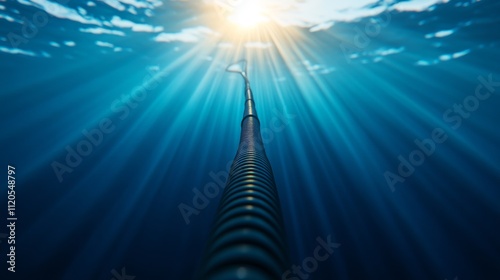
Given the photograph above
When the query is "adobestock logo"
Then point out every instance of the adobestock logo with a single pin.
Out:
(310, 264)
(122, 275)
(94, 137)
(453, 116)
(201, 199)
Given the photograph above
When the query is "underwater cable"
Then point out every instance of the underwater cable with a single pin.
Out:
(247, 240)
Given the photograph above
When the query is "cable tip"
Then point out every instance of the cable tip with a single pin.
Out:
(239, 67)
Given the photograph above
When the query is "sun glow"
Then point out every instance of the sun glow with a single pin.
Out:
(247, 13)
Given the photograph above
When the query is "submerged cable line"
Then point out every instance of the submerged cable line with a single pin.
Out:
(247, 240)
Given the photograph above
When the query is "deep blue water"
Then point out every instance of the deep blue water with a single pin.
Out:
(337, 107)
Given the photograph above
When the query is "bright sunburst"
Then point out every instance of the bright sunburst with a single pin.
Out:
(247, 13)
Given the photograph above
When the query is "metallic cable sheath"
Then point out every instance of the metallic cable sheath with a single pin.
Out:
(247, 240)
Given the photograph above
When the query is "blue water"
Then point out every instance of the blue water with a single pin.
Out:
(339, 104)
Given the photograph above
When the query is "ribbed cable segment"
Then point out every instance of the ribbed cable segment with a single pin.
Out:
(247, 241)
